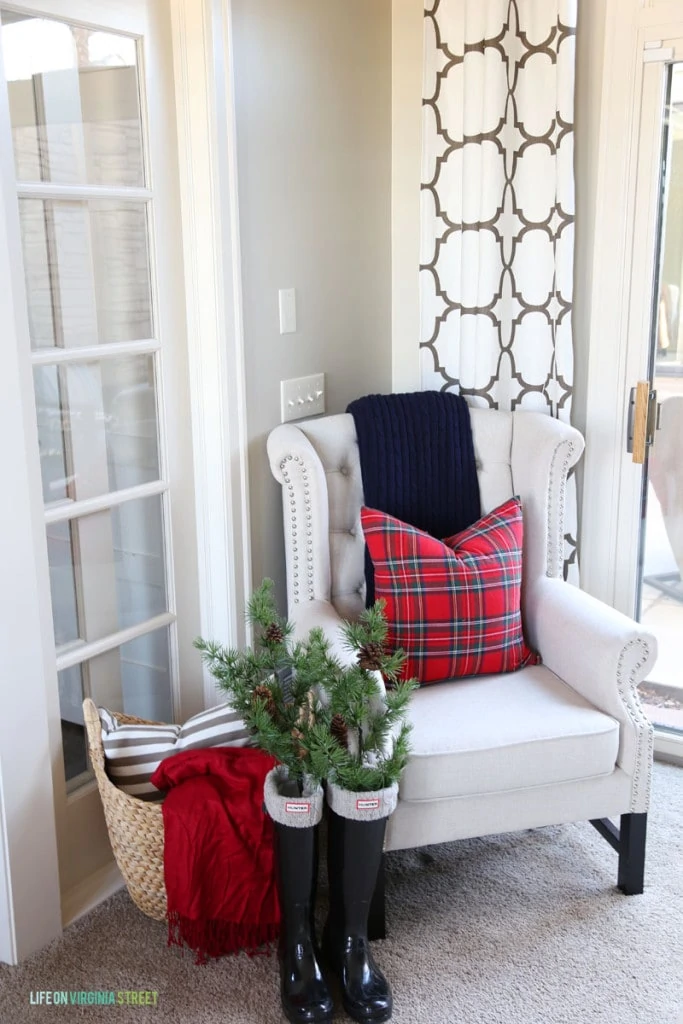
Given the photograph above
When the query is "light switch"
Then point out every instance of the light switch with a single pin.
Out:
(287, 300)
(302, 397)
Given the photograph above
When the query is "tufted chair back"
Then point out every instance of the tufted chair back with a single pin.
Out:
(318, 465)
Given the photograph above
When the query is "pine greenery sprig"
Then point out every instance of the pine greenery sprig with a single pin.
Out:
(314, 715)
(371, 630)
(380, 748)
(270, 686)
(262, 612)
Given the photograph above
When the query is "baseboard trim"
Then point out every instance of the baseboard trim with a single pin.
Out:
(669, 747)
(85, 896)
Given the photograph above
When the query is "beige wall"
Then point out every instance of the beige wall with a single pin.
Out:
(334, 118)
(313, 101)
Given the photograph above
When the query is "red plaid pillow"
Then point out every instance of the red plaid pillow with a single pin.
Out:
(452, 605)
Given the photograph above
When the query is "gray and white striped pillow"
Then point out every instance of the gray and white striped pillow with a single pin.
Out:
(134, 752)
(215, 727)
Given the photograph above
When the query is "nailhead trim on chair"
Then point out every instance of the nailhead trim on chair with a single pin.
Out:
(640, 791)
(300, 585)
(555, 559)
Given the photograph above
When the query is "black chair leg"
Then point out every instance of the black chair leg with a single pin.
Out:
(632, 833)
(377, 928)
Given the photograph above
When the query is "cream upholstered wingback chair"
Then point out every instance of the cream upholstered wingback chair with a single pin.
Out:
(559, 742)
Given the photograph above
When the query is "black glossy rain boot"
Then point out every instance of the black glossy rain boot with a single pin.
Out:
(354, 854)
(304, 993)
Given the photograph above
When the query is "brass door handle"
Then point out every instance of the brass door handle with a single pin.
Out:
(643, 420)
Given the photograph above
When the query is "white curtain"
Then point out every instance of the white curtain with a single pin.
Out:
(498, 205)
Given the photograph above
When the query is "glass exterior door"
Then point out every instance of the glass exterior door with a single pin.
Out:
(660, 597)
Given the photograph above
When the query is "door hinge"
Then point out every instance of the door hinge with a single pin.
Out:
(643, 420)
(655, 53)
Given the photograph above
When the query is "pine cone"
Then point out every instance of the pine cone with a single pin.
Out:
(274, 634)
(370, 656)
(263, 693)
(340, 730)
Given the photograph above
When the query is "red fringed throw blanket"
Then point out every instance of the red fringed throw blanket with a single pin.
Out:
(219, 863)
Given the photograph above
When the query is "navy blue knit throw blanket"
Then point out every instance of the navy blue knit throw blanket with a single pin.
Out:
(417, 462)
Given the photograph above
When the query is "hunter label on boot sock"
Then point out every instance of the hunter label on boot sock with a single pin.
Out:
(297, 808)
(367, 805)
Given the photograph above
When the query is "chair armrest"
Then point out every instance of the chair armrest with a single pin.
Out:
(603, 655)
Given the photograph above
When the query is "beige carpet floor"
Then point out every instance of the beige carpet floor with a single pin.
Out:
(517, 929)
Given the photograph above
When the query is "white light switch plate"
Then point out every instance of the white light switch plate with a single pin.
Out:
(302, 397)
(287, 302)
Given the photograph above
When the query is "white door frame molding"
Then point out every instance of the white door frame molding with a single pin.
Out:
(202, 49)
(30, 908)
(605, 415)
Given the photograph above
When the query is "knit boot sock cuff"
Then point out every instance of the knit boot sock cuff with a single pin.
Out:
(362, 806)
(296, 811)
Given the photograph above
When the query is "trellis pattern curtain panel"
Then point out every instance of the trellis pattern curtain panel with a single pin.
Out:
(498, 205)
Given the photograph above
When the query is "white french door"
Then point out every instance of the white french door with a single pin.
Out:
(95, 315)
(632, 530)
(654, 495)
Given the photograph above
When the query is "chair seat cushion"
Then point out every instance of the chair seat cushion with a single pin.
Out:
(498, 733)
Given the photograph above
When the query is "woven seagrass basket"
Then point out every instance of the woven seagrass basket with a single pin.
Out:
(136, 827)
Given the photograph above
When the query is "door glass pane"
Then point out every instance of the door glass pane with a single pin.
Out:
(97, 426)
(86, 266)
(74, 741)
(74, 102)
(62, 582)
(135, 678)
(661, 598)
(107, 571)
(49, 404)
